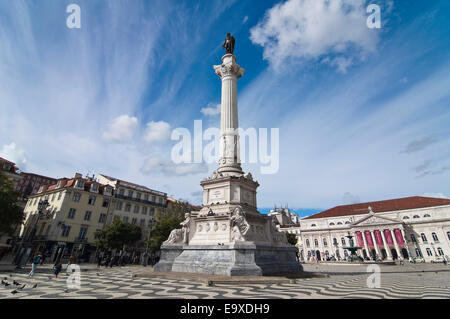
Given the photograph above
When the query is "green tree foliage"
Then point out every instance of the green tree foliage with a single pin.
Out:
(118, 234)
(166, 222)
(291, 238)
(11, 214)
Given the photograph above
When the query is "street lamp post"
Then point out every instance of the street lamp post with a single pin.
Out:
(151, 223)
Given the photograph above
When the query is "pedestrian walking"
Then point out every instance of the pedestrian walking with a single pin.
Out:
(57, 269)
(34, 264)
(71, 261)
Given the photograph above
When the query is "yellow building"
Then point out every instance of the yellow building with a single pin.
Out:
(78, 207)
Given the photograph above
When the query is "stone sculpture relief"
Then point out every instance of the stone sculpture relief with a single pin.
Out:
(239, 225)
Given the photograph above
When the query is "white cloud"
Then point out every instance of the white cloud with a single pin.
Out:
(309, 29)
(211, 109)
(349, 198)
(121, 129)
(14, 154)
(157, 132)
(155, 165)
(435, 195)
(245, 20)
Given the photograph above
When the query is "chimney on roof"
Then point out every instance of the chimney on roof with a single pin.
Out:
(78, 175)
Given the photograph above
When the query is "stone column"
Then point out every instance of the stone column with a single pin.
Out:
(375, 244)
(397, 248)
(386, 246)
(365, 243)
(229, 72)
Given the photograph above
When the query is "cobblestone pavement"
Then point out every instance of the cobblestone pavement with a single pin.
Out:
(119, 283)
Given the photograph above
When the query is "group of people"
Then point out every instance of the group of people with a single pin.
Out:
(57, 267)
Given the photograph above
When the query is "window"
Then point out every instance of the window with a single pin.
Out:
(105, 203)
(94, 188)
(53, 197)
(325, 242)
(128, 207)
(413, 238)
(440, 251)
(83, 232)
(76, 197)
(426, 215)
(152, 211)
(136, 209)
(134, 221)
(121, 191)
(416, 216)
(424, 238)
(418, 252)
(91, 200)
(79, 184)
(435, 237)
(343, 241)
(429, 253)
(87, 215)
(119, 205)
(102, 218)
(405, 217)
(107, 191)
(335, 242)
(59, 195)
(142, 223)
(316, 242)
(71, 214)
(146, 197)
(153, 199)
(65, 231)
(144, 210)
(307, 243)
(125, 219)
(313, 225)
(130, 193)
(138, 195)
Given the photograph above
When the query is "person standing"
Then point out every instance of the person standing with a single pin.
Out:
(57, 269)
(34, 264)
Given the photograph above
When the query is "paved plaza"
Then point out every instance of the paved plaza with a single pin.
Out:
(424, 281)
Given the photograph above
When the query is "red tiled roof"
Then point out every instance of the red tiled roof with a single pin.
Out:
(382, 206)
(5, 160)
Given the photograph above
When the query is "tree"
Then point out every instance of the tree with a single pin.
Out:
(118, 234)
(166, 222)
(10, 212)
(291, 238)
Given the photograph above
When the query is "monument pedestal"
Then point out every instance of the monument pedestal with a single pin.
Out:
(238, 259)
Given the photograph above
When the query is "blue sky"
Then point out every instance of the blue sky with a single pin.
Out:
(363, 113)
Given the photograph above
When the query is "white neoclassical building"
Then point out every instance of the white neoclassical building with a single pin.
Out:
(416, 227)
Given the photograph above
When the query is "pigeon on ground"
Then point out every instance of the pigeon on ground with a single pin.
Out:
(22, 287)
(16, 283)
(14, 291)
(35, 285)
(5, 283)
(66, 291)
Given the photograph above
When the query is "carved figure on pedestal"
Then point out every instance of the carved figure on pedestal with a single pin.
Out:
(239, 225)
(185, 228)
(175, 237)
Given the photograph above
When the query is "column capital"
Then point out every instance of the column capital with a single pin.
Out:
(229, 67)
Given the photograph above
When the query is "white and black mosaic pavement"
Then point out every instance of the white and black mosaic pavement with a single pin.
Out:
(120, 283)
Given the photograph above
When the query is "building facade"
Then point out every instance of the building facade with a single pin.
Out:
(405, 228)
(80, 206)
(31, 183)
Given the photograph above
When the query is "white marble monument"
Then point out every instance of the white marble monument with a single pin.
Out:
(228, 236)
